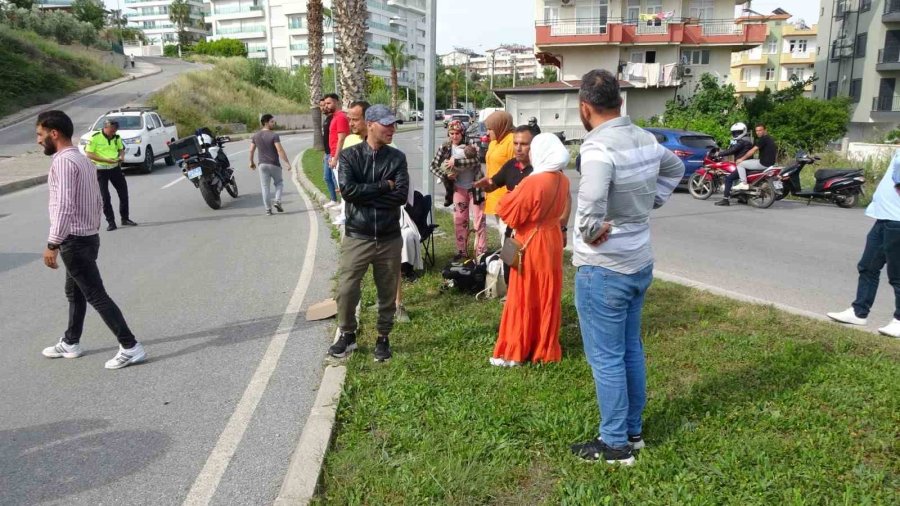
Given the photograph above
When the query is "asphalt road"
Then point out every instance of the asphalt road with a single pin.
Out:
(206, 292)
(799, 255)
(19, 138)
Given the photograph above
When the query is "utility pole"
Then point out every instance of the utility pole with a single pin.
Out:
(512, 60)
(467, 80)
(430, 84)
(492, 69)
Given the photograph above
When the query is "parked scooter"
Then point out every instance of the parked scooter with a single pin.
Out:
(207, 171)
(764, 185)
(841, 186)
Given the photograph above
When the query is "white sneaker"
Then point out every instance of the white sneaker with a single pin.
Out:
(497, 362)
(63, 350)
(891, 329)
(338, 221)
(741, 187)
(124, 357)
(847, 316)
(331, 205)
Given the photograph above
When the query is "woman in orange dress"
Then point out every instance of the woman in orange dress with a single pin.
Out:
(499, 125)
(537, 209)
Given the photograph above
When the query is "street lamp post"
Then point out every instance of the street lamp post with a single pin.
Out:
(467, 80)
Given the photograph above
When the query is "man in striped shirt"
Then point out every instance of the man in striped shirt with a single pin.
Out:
(625, 174)
(74, 221)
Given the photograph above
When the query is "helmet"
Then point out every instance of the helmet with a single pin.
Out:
(532, 121)
(738, 130)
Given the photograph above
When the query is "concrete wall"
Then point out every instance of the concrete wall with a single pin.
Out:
(862, 151)
(646, 103)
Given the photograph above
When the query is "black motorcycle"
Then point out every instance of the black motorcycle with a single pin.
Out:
(210, 174)
(841, 186)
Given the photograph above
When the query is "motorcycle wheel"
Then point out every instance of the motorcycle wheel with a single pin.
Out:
(699, 187)
(785, 191)
(847, 200)
(210, 195)
(766, 196)
(231, 187)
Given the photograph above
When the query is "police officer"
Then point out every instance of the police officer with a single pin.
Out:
(107, 151)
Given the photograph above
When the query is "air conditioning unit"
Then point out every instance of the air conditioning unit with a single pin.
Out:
(688, 71)
(567, 3)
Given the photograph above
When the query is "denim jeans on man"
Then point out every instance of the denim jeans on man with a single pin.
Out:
(328, 174)
(882, 247)
(84, 286)
(609, 307)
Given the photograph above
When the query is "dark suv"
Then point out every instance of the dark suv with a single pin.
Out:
(477, 135)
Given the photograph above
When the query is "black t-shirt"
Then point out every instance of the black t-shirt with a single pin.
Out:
(510, 175)
(326, 126)
(767, 150)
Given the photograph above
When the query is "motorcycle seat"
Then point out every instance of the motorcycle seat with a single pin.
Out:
(824, 174)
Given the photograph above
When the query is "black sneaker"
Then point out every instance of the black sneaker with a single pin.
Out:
(382, 349)
(596, 449)
(723, 202)
(278, 207)
(111, 227)
(637, 442)
(128, 223)
(268, 212)
(344, 345)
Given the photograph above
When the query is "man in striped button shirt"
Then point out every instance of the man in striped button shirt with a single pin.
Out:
(74, 221)
(625, 174)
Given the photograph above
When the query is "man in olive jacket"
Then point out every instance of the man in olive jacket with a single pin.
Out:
(374, 182)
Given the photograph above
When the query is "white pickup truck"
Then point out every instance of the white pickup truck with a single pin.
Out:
(146, 136)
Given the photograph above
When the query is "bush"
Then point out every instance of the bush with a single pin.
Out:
(61, 26)
(221, 47)
(170, 50)
(807, 124)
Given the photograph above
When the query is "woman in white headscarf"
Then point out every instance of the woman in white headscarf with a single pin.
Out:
(537, 210)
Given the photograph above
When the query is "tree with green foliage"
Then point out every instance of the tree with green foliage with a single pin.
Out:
(90, 11)
(807, 124)
(180, 16)
(397, 58)
(220, 47)
(712, 110)
(550, 74)
(23, 4)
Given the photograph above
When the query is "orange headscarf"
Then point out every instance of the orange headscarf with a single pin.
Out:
(501, 122)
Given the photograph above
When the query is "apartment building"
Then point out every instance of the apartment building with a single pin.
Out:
(152, 17)
(277, 31)
(860, 59)
(498, 62)
(788, 51)
(659, 49)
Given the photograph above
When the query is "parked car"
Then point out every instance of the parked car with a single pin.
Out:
(691, 147)
(477, 136)
(416, 116)
(146, 136)
(439, 115)
(448, 113)
(462, 118)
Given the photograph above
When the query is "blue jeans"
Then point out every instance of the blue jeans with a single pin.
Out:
(329, 178)
(609, 307)
(882, 247)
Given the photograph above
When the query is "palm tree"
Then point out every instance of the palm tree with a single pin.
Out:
(456, 74)
(396, 55)
(350, 22)
(315, 39)
(180, 16)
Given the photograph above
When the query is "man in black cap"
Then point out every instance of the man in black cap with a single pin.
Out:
(374, 183)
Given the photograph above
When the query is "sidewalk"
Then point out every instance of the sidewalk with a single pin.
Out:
(142, 69)
(23, 171)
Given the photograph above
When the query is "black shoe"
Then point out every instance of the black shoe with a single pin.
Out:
(596, 449)
(382, 349)
(111, 227)
(268, 212)
(637, 442)
(344, 345)
(448, 201)
(724, 202)
(128, 223)
(278, 207)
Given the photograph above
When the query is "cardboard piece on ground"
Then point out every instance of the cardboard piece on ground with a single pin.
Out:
(322, 310)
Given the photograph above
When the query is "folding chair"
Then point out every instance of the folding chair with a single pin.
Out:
(422, 215)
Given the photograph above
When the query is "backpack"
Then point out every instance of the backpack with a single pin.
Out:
(494, 282)
(467, 276)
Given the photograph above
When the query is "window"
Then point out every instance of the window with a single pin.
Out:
(702, 9)
(652, 6)
(551, 14)
(695, 57)
(831, 92)
(746, 74)
(591, 17)
(698, 141)
(865, 5)
(637, 57)
(155, 120)
(859, 49)
(643, 57)
(650, 57)
(770, 73)
(855, 90)
(772, 47)
(797, 46)
(633, 11)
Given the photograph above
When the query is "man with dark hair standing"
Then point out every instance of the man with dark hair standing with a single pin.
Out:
(338, 130)
(516, 169)
(270, 150)
(327, 173)
(107, 151)
(374, 183)
(74, 221)
(625, 174)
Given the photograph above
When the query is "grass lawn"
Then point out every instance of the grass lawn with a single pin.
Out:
(312, 167)
(747, 405)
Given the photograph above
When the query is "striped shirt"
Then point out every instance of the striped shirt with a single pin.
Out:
(625, 174)
(75, 203)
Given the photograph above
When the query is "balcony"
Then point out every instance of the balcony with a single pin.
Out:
(238, 11)
(243, 32)
(888, 59)
(891, 12)
(799, 58)
(886, 108)
(793, 31)
(615, 31)
(746, 58)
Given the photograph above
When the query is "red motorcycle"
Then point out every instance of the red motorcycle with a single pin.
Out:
(764, 186)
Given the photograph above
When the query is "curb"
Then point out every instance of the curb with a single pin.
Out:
(247, 135)
(302, 477)
(21, 116)
(22, 184)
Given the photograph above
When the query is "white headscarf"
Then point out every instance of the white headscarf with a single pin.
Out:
(548, 154)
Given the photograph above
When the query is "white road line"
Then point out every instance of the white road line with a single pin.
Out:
(182, 178)
(204, 487)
